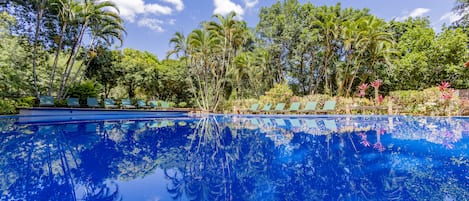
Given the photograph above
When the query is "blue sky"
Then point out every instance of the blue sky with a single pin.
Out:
(151, 23)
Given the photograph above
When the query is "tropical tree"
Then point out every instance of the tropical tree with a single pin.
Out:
(66, 10)
(90, 13)
(134, 65)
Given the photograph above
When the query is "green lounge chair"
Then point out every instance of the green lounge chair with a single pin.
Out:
(164, 105)
(294, 107)
(330, 125)
(279, 108)
(295, 123)
(280, 122)
(109, 103)
(73, 102)
(153, 104)
(142, 104)
(253, 109)
(127, 104)
(92, 102)
(311, 127)
(329, 106)
(266, 108)
(309, 108)
(45, 101)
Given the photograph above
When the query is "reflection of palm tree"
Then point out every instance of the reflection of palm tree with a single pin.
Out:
(101, 192)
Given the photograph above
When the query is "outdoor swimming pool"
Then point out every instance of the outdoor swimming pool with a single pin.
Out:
(236, 158)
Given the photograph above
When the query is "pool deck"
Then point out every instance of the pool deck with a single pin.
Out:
(53, 111)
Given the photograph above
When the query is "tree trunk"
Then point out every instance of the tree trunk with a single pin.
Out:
(36, 41)
(56, 59)
(71, 61)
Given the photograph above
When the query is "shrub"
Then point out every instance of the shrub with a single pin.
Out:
(83, 90)
(7, 106)
(281, 93)
(426, 102)
(26, 101)
(182, 104)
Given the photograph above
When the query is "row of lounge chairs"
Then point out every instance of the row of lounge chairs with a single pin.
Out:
(48, 101)
(310, 108)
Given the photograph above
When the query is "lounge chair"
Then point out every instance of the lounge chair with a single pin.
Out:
(280, 122)
(73, 102)
(279, 108)
(309, 108)
(330, 125)
(253, 109)
(127, 104)
(255, 122)
(311, 127)
(109, 103)
(295, 123)
(153, 104)
(92, 102)
(294, 107)
(266, 108)
(142, 104)
(45, 101)
(329, 106)
(164, 105)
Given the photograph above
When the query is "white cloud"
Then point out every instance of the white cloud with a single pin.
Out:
(151, 23)
(250, 3)
(224, 7)
(418, 12)
(145, 14)
(451, 17)
(172, 21)
(158, 9)
(177, 3)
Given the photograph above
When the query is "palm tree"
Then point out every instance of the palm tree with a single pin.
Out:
(66, 12)
(180, 45)
(90, 12)
(376, 41)
(203, 68)
(327, 25)
(104, 33)
(41, 6)
(461, 7)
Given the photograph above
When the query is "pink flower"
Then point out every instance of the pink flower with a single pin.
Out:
(380, 99)
(362, 135)
(377, 83)
(444, 86)
(365, 143)
(379, 146)
(362, 93)
(363, 87)
(448, 145)
(382, 131)
(447, 95)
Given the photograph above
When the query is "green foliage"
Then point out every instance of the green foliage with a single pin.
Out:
(7, 107)
(135, 67)
(182, 104)
(14, 66)
(427, 58)
(169, 82)
(425, 102)
(101, 68)
(281, 93)
(88, 88)
(26, 101)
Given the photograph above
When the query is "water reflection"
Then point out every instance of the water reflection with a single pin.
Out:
(237, 158)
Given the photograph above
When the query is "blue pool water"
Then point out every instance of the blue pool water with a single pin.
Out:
(236, 158)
